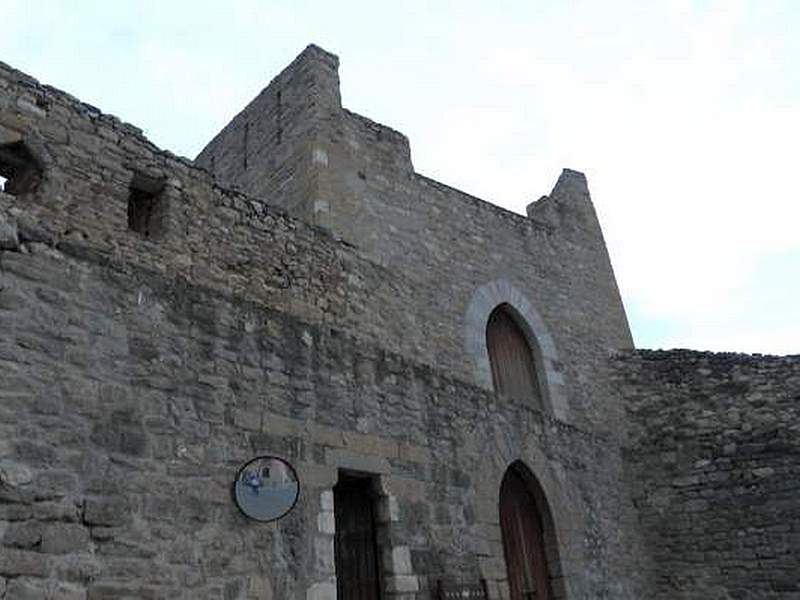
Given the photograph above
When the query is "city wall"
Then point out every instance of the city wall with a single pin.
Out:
(713, 459)
(140, 371)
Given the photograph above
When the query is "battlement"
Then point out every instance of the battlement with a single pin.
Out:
(296, 145)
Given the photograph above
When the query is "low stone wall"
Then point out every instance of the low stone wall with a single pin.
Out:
(713, 459)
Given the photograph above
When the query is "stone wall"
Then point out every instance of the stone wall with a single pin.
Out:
(130, 398)
(210, 235)
(714, 464)
(445, 243)
(139, 372)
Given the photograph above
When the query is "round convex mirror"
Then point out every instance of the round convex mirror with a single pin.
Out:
(266, 488)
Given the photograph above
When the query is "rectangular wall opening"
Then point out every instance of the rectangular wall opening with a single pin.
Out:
(146, 206)
(19, 171)
(358, 573)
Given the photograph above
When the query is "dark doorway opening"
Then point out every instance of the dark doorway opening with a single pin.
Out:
(355, 544)
(524, 547)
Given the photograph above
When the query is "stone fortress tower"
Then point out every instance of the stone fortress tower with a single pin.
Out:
(455, 384)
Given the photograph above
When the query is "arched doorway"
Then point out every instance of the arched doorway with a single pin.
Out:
(525, 523)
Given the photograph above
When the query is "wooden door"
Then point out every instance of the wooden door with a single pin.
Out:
(523, 543)
(513, 368)
(356, 552)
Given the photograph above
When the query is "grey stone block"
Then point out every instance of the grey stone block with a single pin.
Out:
(65, 538)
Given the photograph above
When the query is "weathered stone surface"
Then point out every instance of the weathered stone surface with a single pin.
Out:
(137, 373)
(65, 538)
(113, 510)
(69, 592)
(714, 457)
(26, 589)
(15, 563)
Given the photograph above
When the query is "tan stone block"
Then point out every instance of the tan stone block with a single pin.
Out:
(9, 136)
(411, 489)
(247, 419)
(14, 120)
(411, 453)
(313, 476)
(346, 459)
(280, 425)
(328, 436)
(370, 444)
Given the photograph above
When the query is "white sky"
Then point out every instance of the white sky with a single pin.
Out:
(684, 115)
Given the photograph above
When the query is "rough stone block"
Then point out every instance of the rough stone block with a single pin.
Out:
(26, 534)
(345, 459)
(54, 484)
(25, 589)
(316, 476)
(14, 474)
(65, 538)
(69, 592)
(111, 511)
(15, 563)
(418, 454)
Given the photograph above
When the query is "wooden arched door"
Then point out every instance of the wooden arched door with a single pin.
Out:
(523, 540)
(511, 358)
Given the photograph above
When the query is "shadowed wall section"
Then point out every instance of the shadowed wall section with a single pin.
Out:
(713, 461)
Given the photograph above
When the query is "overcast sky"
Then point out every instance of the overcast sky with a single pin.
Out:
(684, 115)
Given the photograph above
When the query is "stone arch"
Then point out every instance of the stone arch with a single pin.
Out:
(566, 524)
(500, 292)
(548, 541)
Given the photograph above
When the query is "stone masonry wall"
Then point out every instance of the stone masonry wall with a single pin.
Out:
(137, 373)
(267, 149)
(446, 243)
(714, 461)
(130, 399)
(210, 235)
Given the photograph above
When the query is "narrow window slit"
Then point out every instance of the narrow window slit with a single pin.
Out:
(146, 205)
